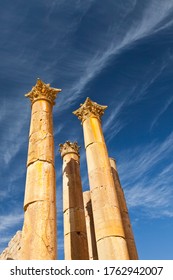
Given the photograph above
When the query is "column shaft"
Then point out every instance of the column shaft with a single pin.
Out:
(92, 247)
(75, 237)
(124, 213)
(39, 229)
(110, 236)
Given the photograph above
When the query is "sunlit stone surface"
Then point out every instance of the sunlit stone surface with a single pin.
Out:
(109, 230)
(39, 229)
(75, 237)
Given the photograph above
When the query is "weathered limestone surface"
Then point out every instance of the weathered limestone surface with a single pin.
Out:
(106, 210)
(124, 213)
(12, 252)
(39, 229)
(40, 175)
(41, 142)
(92, 247)
(75, 237)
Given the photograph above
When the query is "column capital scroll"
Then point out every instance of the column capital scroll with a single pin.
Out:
(89, 109)
(68, 148)
(43, 91)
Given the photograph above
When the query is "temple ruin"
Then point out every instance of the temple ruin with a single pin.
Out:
(96, 222)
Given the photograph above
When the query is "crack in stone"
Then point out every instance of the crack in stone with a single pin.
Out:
(89, 144)
(48, 248)
(27, 205)
(75, 208)
(48, 134)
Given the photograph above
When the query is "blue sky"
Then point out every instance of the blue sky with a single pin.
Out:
(120, 54)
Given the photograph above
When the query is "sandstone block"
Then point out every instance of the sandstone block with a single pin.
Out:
(103, 195)
(40, 182)
(108, 222)
(92, 247)
(74, 220)
(72, 240)
(41, 147)
(39, 231)
(92, 131)
(112, 248)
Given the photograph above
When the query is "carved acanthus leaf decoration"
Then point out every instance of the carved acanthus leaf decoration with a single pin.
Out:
(43, 91)
(88, 109)
(68, 148)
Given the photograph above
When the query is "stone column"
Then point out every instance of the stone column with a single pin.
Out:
(92, 247)
(124, 213)
(39, 229)
(75, 238)
(110, 236)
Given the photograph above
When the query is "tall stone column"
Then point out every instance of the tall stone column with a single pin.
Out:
(75, 237)
(92, 247)
(39, 229)
(124, 213)
(110, 236)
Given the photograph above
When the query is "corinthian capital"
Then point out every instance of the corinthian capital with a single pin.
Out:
(43, 91)
(89, 109)
(68, 148)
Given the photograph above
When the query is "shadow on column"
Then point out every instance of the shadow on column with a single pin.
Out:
(76, 245)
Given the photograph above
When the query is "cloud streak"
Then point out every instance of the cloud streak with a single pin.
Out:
(93, 63)
(10, 220)
(146, 175)
(162, 111)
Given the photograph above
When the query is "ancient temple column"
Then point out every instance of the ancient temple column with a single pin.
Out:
(92, 247)
(110, 236)
(75, 237)
(39, 229)
(124, 213)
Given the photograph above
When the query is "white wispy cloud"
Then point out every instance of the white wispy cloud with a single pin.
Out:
(115, 112)
(58, 129)
(153, 14)
(14, 131)
(82, 66)
(146, 175)
(10, 220)
(113, 124)
(149, 196)
(10, 223)
(88, 63)
(5, 239)
(94, 62)
(162, 111)
(142, 159)
(149, 78)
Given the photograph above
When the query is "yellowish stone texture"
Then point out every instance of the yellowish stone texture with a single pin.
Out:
(92, 247)
(39, 229)
(108, 223)
(124, 213)
(75, 238)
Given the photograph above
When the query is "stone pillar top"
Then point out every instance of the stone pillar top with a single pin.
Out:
(89, 109)
(42, 91)
(68, 148)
